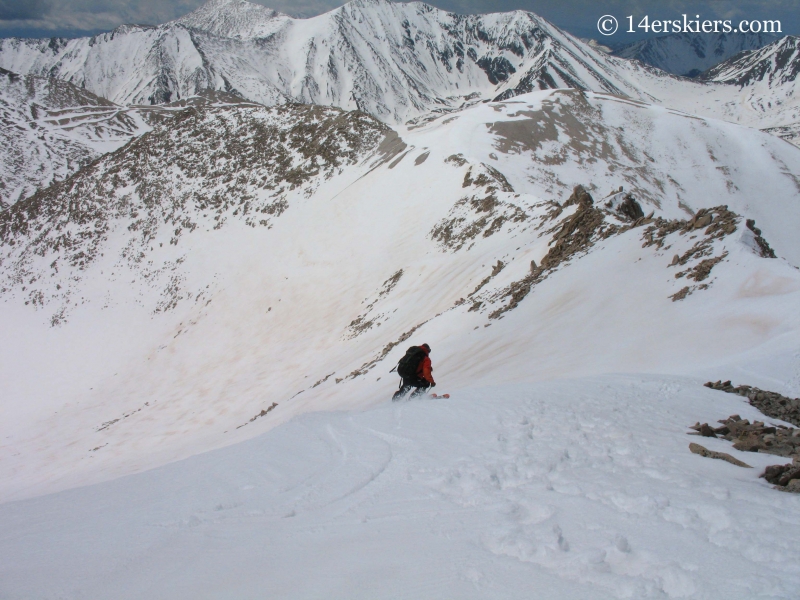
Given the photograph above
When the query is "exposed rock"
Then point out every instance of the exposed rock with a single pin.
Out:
(495, 270)
(576, 234)
(718, 222)
(706, 431)
(264, 412)
(681, 293)
(702, 221)
(781, 474)
(763, 246)
(784, 477)
(702, 451)
(630, 208)
(483, 213)
(579, 196)
(231, 162)
(625, 206)
(365, 321)
(771, 404)
(702, 269)
(754, 437)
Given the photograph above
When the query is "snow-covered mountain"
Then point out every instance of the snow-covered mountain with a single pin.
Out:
(235, 19)
(691, 54)
(239, 265)
(51, 128)
(393, 60)
(766, 81)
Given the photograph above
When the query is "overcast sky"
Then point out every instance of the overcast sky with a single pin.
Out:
(71, 18)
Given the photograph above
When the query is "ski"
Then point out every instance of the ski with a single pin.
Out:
(440, 395)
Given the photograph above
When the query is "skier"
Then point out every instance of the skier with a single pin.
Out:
(415, 370)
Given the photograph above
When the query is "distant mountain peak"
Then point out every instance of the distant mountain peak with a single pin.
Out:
(690, 54)
(775, 64)
(233, 18)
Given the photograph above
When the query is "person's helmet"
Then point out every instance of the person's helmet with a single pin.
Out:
(428, 348)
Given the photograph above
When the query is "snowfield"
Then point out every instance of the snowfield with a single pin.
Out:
(579, 488)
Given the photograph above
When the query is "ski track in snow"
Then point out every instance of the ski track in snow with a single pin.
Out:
(564, 489)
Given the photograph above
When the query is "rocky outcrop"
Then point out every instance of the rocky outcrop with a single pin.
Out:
(762, 244)
(754, 437)
(785, 477)
(625, 206)
(576, 234)
(488, 207)
(703, 451)
(757, 437)
(771, 404)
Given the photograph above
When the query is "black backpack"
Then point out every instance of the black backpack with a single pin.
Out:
(408, 365)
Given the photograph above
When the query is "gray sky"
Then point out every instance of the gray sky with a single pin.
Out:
(71, 18)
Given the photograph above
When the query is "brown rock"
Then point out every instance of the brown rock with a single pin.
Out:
(698, 449)
(703, 221)
(773, 473)
(794, 486)
(706, 431)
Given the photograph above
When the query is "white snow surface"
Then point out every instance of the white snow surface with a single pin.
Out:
(560, 465)
(562, 489)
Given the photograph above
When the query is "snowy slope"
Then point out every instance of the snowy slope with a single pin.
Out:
(766, 81)
(691, 54)
(51, 128)
(220, 275)
(566, 489)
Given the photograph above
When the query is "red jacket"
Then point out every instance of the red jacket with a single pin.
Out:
(424, 369)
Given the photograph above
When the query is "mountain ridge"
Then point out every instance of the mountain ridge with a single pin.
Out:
(396, 61)
(51, 128)
(689, 54)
